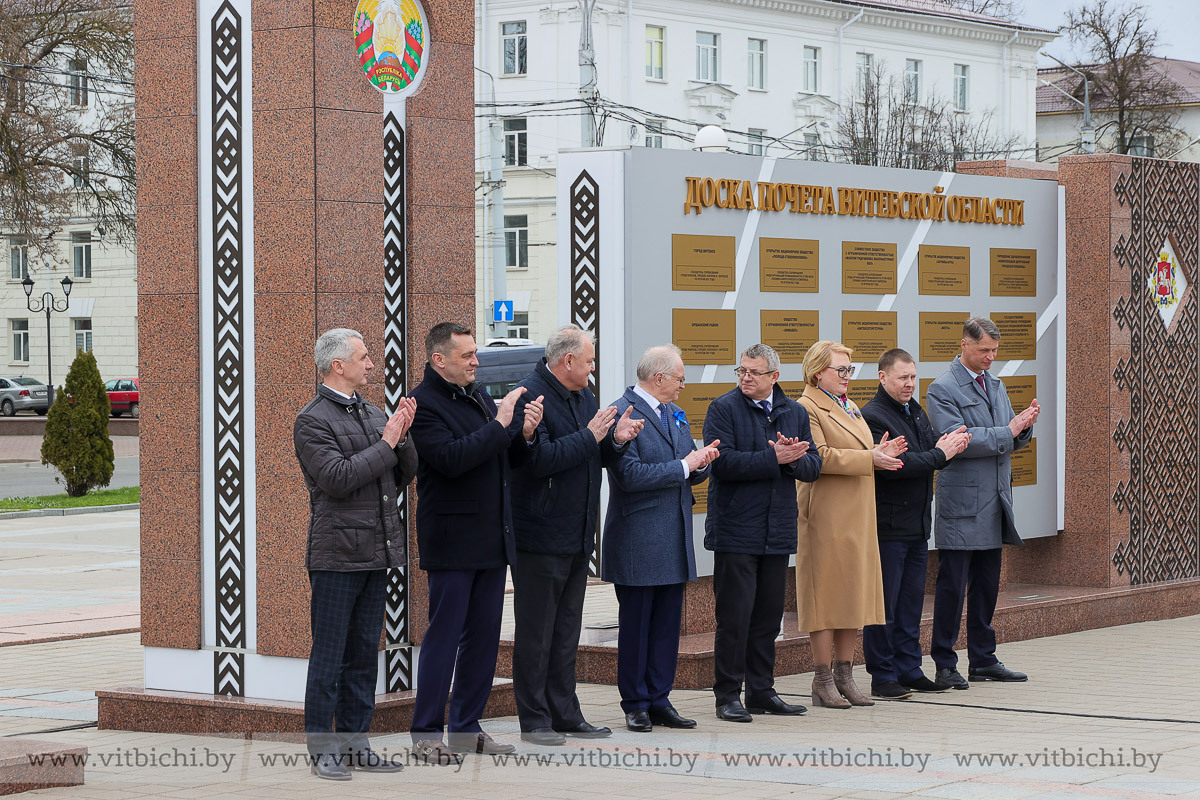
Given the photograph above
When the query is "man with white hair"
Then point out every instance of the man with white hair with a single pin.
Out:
(648, 551)
(355, 460)
(556, 502)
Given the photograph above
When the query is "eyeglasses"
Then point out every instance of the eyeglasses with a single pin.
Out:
(742, 372)
(677, 378)
(843, 372)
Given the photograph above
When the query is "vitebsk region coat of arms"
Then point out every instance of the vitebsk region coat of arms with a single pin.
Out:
(1167, 283)
(391, 39)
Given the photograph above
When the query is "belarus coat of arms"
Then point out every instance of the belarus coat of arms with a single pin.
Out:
(390, 36)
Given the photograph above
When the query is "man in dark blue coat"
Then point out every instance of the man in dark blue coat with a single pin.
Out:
(648, 551)
(465, 538)
(766, 446)
(903, 498)
(556, 501)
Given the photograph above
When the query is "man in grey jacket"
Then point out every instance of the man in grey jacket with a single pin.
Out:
(356, 460)
(974, 504)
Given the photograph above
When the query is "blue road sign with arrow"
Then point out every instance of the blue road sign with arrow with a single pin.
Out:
(502, 311)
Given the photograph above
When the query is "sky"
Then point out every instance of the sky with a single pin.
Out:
(1177, 22)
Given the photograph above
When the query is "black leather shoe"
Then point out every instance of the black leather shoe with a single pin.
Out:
(996, 672)
(668, 717)
(331, 768)
(949, 678)
(892, 690)
(773, 705)
(543, 736)
(734, 711)
(369, 761)
(477, 743)
(638, 721)
(923, 684)
(585, 730)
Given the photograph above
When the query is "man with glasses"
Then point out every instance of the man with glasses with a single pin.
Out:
(974, 504)
(648, 551)
(766, 446)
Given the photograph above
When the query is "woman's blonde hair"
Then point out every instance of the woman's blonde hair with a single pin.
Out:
(820, 356)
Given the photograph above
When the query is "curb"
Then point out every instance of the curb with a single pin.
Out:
(67, 512)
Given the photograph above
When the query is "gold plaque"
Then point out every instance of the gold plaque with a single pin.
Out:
(706, 336)
(1018, 335)
(700, 495)
(941, 334)
(694, 399)
(792, 389)
(702, 263)
(868, 267)
(791, 333)
(868, 333)
(1022, 389)
(788, 265)
(1014, 272)
(1024, 465)
(863, 389)
(944, 270)
(923, 383)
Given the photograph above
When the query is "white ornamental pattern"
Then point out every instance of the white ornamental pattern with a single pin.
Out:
(585, 283)
(228, 322)
(398, 653)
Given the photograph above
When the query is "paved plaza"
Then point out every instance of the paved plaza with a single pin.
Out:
(1109, 713)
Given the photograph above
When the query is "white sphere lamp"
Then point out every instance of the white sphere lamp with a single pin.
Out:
(711, 139)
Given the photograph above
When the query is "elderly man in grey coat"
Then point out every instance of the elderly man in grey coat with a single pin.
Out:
(974, 504)
(648, 551)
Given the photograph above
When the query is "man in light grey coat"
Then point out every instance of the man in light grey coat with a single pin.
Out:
(974, 504)
(648, 552)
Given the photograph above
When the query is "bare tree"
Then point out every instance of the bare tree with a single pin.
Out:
(1129, 84)
(886, 126)
(66, 120)
(1005, 9)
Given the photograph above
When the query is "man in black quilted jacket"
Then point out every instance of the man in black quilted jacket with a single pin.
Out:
(355, 460)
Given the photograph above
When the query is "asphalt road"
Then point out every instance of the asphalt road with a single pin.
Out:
(30, 478)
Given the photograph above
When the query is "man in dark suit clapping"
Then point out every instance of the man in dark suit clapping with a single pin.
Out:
(648, 551)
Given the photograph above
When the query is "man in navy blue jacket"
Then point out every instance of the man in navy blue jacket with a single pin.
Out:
(556, 502)
(464, 442)
(903, 498)
(766, 446)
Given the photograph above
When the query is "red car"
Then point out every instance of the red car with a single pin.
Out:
(123, 396)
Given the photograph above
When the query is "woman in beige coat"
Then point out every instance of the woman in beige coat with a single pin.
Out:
(839, 588)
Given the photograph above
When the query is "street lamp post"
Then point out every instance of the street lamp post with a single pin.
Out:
(48, 304)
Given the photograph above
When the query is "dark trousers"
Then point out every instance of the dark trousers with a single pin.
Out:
(893, 651)
(548, 607)
(749, 602)
(647, 644)
(346, 619)
(978, 571)
(461, 641)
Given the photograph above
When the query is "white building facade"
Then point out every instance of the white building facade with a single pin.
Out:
(773, 73)
(102, 312)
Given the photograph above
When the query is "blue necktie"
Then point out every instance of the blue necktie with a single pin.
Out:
(666, 421)
(765, 405)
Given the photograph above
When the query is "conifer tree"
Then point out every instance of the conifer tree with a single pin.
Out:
(76, 441)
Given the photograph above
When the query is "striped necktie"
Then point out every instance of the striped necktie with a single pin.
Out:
(666, 421)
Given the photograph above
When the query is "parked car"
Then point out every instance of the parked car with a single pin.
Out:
(123, 396)
(21, 394)
(501, 367)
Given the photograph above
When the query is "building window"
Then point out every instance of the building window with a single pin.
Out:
(912, 81)
(81, 253)
(83, 334)
(516, 241)
(81, 171)
(863, 77)
(756, 137)
(20, 339)
(514, 47)
(962, 83)
(519, 327)
(654, 133)
(708, 56)
(656, 37)
(809, 74)
(813, 149)
(18, 260)
(78, 81)
(756, 63)
(516, 142)
(1141, 146)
